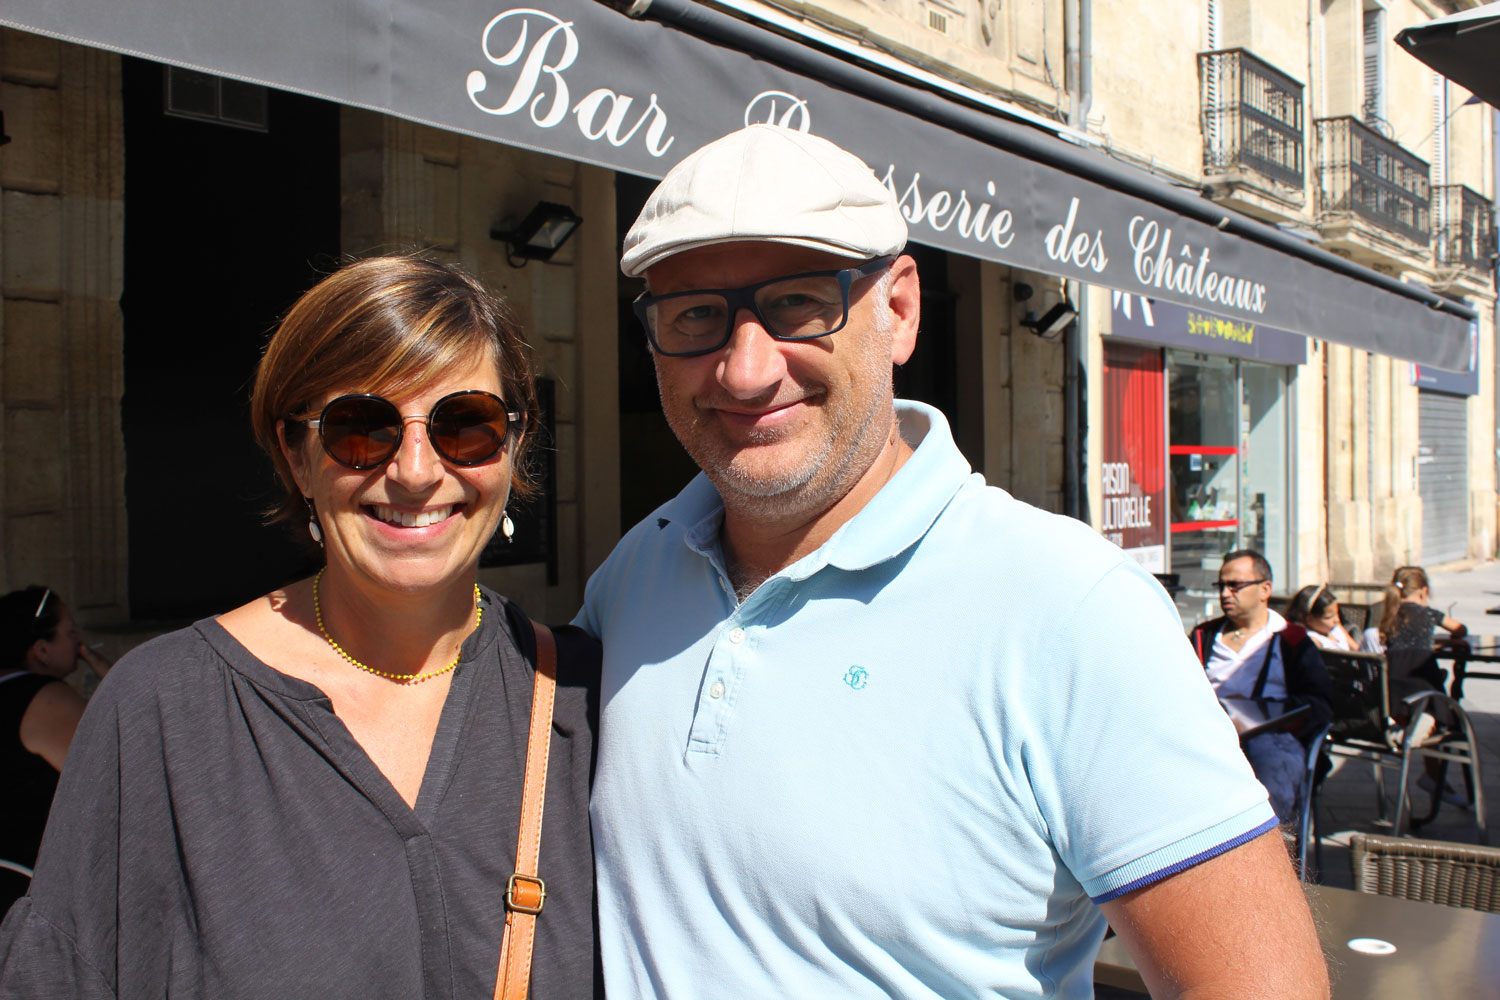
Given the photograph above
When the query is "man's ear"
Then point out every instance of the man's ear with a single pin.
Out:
(906, 308)
(295, 457)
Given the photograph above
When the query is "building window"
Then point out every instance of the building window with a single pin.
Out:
(1227, 451)
(1373, 110)
(209, 98)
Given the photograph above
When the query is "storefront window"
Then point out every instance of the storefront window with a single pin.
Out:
(1263, 469)
(1227, 435)
(1202, 404)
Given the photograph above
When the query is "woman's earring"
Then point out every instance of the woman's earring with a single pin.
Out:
(507, 527)
(313, 527)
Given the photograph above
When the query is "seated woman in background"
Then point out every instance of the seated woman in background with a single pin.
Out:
(1315, 609)
(1407, 628)
(40, 644)
(317, 794)
(1407, 635)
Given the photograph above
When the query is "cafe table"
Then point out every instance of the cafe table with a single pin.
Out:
(1378, 948)
(1472, 651)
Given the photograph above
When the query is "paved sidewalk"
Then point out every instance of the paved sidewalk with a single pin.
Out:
(1347, 801)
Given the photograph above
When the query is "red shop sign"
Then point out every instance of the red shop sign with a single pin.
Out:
(1135, 482)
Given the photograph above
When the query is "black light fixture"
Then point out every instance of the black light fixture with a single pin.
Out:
(1053, 321)
(538, 236)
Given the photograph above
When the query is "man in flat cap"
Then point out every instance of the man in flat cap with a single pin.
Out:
(872, 728)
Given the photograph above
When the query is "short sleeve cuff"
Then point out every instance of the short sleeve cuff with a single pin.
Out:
(1184, 854)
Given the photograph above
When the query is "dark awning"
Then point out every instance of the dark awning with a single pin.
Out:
(1463, 47)
(578, 79)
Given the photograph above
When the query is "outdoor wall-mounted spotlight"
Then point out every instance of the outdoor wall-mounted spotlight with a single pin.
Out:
(539, 235)
(1053, 321)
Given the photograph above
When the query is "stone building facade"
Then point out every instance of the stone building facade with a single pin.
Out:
(1173, 89)
(61, 231)
(1321, 453)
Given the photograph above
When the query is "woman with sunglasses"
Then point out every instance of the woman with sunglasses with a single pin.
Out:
(319, 792)
(40, 644)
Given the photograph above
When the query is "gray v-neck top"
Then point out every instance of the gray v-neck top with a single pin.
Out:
(217, 832)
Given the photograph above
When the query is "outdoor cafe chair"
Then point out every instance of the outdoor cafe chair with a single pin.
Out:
(1308, 815)
(1430, 871)
(15, 866)
(1364, 727)
(14, 878)
(1355, 605)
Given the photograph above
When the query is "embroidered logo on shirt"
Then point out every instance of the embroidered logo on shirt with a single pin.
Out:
(857, 677)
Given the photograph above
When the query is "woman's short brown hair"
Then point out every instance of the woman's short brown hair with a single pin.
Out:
(387, 325)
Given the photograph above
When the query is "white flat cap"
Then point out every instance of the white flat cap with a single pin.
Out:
(770, 183)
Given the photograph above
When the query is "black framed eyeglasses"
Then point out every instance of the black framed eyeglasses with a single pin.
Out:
(794, 307)
(363, 431)
(1235, 586)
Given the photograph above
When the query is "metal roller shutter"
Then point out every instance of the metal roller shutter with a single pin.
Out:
(1442, 461)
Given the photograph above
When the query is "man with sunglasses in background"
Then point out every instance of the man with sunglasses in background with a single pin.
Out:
(870, 727)
(1253, 652)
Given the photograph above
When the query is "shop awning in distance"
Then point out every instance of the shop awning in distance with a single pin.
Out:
(578, 79)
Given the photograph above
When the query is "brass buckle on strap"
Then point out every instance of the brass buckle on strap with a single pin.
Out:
(530, 898)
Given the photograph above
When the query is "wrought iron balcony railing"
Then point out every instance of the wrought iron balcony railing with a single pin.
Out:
(1361, 171)
(1464, 228)
(1252, 117)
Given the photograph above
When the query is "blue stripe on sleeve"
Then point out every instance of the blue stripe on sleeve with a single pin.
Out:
(1170, 860)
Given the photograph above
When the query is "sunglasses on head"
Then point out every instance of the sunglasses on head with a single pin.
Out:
(363, 431)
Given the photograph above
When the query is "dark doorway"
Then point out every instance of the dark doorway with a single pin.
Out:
(653, 466)
(225, 227)
(931, 373)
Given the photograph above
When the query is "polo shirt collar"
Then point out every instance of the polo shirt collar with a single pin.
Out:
(894, 520)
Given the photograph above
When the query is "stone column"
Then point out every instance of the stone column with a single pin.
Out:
(61, 334)
(1348, 465)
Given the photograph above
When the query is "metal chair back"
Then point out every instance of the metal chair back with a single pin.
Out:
(1364, 727)
(1361, 696)
(1356, 617)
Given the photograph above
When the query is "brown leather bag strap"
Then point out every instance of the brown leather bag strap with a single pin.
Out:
(526, 893)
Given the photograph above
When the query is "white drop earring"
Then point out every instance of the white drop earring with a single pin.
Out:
(313, 527)
(507, 527)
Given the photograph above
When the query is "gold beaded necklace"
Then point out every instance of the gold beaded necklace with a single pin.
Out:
(403, 678)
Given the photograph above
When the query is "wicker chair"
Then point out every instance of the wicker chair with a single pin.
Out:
(1431, 871)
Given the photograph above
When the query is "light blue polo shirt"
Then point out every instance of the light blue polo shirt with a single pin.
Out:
(906, 763)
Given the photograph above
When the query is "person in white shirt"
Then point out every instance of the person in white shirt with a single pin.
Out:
(1253, 652)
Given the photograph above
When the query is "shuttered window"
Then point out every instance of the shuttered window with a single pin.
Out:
(1212, 84)
(1374, 25)
(1443, 475)
(1439, 135)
